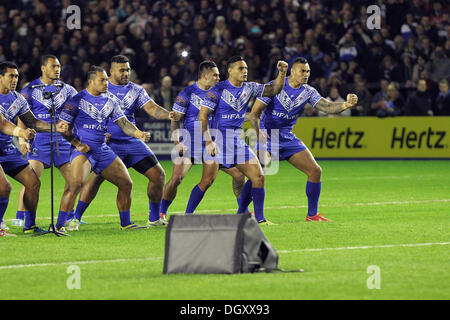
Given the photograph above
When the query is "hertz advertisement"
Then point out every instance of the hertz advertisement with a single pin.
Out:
(372, 137)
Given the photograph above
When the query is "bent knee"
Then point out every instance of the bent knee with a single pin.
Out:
(5, 189)
(258, 180)
(315, 173)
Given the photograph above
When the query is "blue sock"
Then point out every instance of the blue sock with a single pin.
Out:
(30, 219)
(125, 218)
(3, 206)
(20, 215)
(246, 208)
(313, 194)
(164, 206)
(153, 214)
(195, 198)
(71, 215)
(258, 195)
(246, 197)
(61, 222)
(81, 208)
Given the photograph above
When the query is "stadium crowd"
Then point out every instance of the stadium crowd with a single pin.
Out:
(402, 68)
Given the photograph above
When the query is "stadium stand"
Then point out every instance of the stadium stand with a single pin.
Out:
(166, 39)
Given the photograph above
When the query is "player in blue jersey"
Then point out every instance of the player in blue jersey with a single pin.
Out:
(189, 142)
(14, 106)
(279, 114)
(10, 129)
(227, 103)
(39, 153)
(83, 122)
(133, 152)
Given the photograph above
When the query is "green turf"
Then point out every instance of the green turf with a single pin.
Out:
(391, 214)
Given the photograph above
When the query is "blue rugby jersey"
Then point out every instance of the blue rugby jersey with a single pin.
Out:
(283, 110)
(40, 106)
(189, 102)
(89, 115)
(132, 97)
(229, 103)
(12, 105)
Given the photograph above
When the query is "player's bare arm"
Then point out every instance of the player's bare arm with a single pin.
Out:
(131, 130)
(24, 145)
(11, 129)
(255, 117)
(32, 122)
(66, 131)
(328, 106)
(277, 85)
(158, 112)
(175, 125)
(203, 116)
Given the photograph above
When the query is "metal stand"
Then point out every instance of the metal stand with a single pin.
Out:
(52, 228)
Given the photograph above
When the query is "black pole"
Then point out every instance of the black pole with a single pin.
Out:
(52, 227)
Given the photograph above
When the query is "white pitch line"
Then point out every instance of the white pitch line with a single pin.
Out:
(233, 210)
(50, 264)
(367, 247)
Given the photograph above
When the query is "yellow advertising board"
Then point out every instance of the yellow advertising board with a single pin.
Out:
(372, 137)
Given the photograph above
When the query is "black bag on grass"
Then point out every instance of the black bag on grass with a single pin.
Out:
(223, 243)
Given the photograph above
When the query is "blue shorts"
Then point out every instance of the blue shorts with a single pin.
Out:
(11, 160)
(232, 148)
(131, 151)
(100, 157)
(41, 151)
(282, 146)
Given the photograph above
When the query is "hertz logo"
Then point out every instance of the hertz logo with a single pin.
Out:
(348, 139)
(412, 139)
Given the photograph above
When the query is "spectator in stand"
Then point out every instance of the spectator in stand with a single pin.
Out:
(419, 102)
(394, 103)
(439, 64)
(442, 103)
(165, 96)
(362, 108)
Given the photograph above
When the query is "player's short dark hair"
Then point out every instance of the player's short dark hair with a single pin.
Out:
(233, 59)
(300, 60)
(5, 65)
(205, 66)
(92, 73)
(46, 57)
(119, 59)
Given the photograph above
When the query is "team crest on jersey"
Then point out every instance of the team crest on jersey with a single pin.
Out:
(59, 99)
(94, 113)
(289, 104)
(129, 98)
(237, 103)
(11, 111)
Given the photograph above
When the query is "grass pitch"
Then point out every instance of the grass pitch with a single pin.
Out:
(393, 215)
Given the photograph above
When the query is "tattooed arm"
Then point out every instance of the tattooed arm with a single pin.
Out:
(63, 128)
(11, 129)
(328, 106)
(30, 120)
(131, 130)
(158, 112)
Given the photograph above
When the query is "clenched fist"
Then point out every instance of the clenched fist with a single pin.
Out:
(144, 136)
(282, 66)
(352, 99)
(175, 116)
(27, 134)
